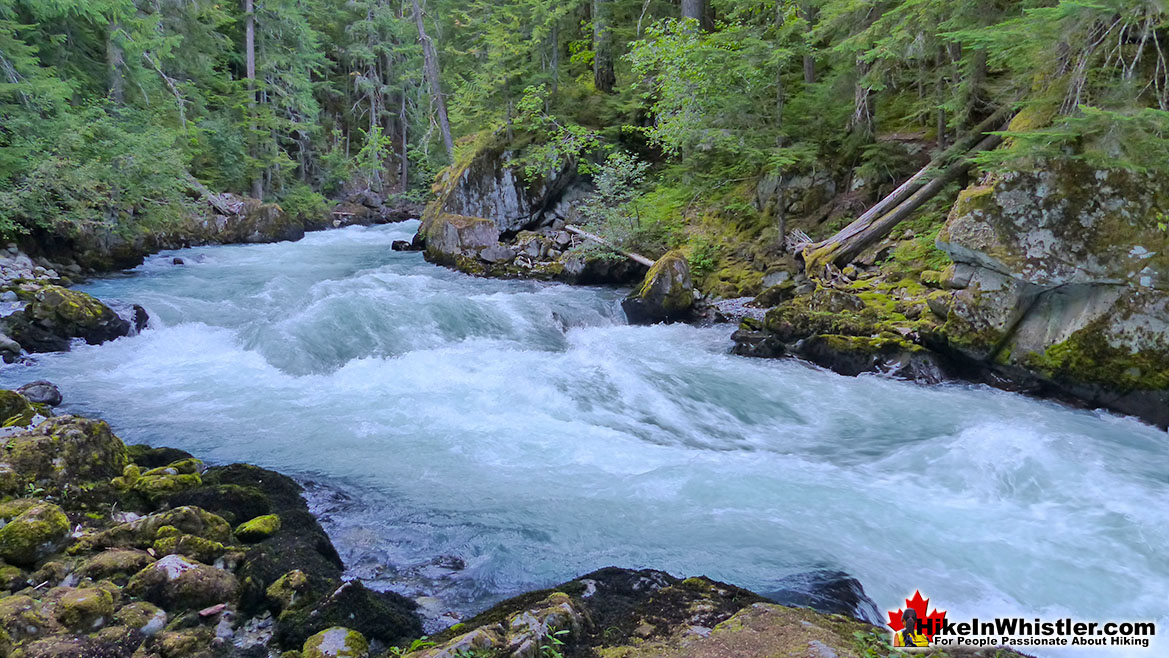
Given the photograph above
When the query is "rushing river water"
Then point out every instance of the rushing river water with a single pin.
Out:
(526, 430)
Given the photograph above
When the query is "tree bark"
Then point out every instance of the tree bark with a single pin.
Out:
(404, 181)
(698, 10)
(851, 242)
(250, 64)
(116, 63)
(603, 76)
(434, 78)
(808, 13)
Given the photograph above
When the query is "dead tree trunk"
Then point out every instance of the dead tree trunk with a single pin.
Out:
(843, 247)
(434, 79)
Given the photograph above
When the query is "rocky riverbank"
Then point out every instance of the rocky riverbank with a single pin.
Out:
(131, 551)
(1049, 282)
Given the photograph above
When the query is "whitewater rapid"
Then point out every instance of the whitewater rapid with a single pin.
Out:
(524, 429)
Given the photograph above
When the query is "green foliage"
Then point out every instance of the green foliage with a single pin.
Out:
(553, 646)
(558, 143)
(613, 210)
(417, 645)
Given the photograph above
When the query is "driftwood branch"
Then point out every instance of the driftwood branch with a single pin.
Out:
(635, 257)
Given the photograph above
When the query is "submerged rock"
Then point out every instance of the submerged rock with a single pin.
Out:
(666, 294)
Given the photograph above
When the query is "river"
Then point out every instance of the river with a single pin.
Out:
(524, 429)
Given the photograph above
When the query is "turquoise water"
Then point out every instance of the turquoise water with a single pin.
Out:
(525, 429)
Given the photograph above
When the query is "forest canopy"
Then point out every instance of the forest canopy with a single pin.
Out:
(111, 110)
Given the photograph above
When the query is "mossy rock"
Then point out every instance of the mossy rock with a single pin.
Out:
(233, 502)
(66, 451)
(144, 617)
(55, 315)
(259, 528)
(15, 409)
(179, 583)
(23, 617)
(33, 535)
(148, 457)
(289, 591)
(84, 610)
(384, 616)
(667, 293)
(144, 532)
(336, 642)
(116, 565)
(196, 548)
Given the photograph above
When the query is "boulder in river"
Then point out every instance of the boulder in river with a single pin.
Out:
(41, 392)
(55, 316)
(666, 294)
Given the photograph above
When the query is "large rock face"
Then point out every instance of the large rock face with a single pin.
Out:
(1062, 277)
(493, 185)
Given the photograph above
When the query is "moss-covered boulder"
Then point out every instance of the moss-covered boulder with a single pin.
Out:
(383, 616)
(23, 617)
(65, 450)
(144, 532)
(15, 409)
(667, 293)
(141, 616)
(55, 316)
(179, 583)
(451, 239)
(116, 565)
(336, 642)
(165, 481)
(259, 528)
(33, 535)
(289, 591)
(83, 610)
(1061, 284)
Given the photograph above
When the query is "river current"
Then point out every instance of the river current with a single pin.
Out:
(523, 432)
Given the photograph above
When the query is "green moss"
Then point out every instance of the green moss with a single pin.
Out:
(1088, 358)
(336, 642)
(33, 535)
(15, 409)
(198, 548)
(85, 609)
(259, 528)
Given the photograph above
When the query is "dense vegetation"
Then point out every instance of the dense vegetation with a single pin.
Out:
(110, 107)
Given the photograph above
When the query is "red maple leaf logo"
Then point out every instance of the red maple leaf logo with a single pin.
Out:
(930, 624)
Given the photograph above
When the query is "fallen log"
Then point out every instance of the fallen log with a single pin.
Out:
(919, 180)
(843, 247)
(635, 257)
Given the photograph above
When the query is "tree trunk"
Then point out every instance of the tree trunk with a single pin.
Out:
(698, 10)
(603, 76)
(940, 99)
(434, 78)
(250, 63)
(556, 58)
(808, 13)
(116, 63)
(404, 181)
(852, 241)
